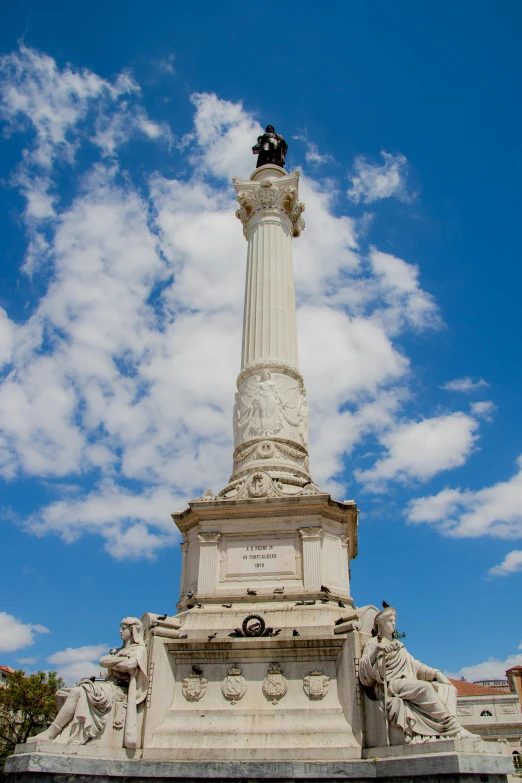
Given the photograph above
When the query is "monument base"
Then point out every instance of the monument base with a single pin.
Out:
(443, 765)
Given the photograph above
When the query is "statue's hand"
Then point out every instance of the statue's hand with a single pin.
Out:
(440, 677)
(385, 645)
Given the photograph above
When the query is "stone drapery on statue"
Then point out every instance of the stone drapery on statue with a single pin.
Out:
(85, 708)
(418, 699)
(270, 148)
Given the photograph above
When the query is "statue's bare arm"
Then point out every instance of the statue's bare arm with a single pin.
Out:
(120, 663)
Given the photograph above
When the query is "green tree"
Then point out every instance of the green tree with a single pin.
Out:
(27, 706)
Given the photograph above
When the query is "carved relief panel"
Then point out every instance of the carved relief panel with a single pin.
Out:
(270, 404)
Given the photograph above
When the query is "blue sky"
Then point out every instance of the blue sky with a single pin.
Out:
(121, 296)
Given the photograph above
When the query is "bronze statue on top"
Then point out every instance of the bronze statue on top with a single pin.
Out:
(270, 148)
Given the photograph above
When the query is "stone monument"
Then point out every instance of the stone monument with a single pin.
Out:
(267, 670)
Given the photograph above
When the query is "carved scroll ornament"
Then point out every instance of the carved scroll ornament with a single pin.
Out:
(274, 195)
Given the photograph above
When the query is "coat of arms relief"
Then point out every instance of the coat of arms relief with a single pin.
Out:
(194, 687)
(275, 685)
(316, 684)
(234, 685)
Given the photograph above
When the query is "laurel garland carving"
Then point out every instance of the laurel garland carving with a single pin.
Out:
(274, 365)
(270, 450)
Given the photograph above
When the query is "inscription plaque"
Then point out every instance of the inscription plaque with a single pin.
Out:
(260, 557)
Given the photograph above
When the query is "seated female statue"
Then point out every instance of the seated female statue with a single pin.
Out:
(416, 696)
(84, 712)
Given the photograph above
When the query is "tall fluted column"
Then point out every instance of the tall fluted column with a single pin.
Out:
(269, 324)
(271, 412)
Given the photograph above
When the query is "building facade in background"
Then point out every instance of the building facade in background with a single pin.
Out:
(5, 674)
(494, 712)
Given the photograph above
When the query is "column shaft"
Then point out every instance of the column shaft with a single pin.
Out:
(271, 410)
(269, 325)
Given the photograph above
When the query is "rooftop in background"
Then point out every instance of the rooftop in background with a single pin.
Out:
(475, 689)
(500, 683)
(5, 673)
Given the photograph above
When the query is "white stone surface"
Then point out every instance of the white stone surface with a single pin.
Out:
(274, 556)
(293, 545)
(271, 410)
(275, 712)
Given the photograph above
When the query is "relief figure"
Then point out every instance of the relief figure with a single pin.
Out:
(266, 404)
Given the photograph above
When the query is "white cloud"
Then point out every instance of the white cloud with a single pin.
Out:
(492, 669)
(371, 182)
(492, 511)
(326, 260)
(399, 286)
(122, 517)
(56, 106)
(121, 381)
(165, 65)
(224, 133)
(53, 101)
(510, 565)
(56, 102)
(76, 663)
(333, 344)
(420, 450)
(6, 337)
(312, 154)
(15, 635)
(483, 410)
(27, 661)
(340, 432)
(114, 130)
(465, 385)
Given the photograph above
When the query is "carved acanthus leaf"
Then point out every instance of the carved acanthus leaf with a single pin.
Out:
(209, 538)
(270, 195)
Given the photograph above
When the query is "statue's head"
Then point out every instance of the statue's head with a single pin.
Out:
(385, 620)
(265, 375)
(131, 630)
(270, 129)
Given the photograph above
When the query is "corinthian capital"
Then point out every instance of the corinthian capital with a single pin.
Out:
(273, 195)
